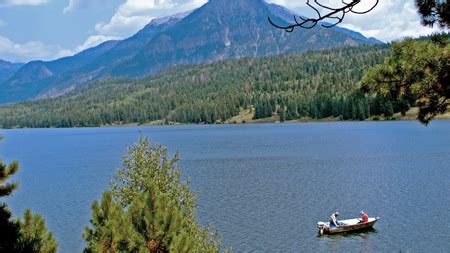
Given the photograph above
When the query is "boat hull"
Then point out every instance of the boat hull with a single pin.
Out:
(346, 226)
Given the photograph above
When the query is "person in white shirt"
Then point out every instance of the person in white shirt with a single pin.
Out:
(333, 219)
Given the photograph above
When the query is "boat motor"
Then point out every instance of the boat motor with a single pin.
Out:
(321, 227)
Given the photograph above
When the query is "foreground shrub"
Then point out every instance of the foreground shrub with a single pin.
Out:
(148, 209)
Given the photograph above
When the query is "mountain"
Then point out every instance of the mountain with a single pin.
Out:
(7, 69)
(220, 29)
(123, 51)
(224, 29)
(40, 79)
(34, 77)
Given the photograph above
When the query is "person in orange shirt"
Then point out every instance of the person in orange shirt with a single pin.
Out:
(364, 217)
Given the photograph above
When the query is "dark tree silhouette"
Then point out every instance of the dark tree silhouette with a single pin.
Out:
(334, 14)
(8, 227)
(434, 12)
(21, 236)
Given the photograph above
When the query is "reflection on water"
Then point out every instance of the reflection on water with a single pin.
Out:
(362, 238)
(264, 187)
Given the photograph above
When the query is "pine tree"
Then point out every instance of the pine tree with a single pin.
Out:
(28, 235)
(416, 74)
(112, 228)
(8, 228)
(361, 110)
(354, 111)
(7, 171)
(34, 234)
(434, 12)
(389, 109)
(158, 220)
(148, 209)
(282, 114)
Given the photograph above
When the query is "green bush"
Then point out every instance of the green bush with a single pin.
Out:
(148, 209)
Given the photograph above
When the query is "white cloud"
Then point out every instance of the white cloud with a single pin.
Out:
(93, 41)
(36, 50)
(82, 4)
(130, 17)
(390, 20)
(135, 14)
(71, 6)
(28, 51)
(23, 2)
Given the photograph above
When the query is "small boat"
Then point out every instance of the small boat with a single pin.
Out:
(346, 226)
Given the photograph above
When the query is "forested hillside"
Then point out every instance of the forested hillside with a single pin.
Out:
(313, 84)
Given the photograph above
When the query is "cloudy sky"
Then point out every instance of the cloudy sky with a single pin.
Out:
(49, 29)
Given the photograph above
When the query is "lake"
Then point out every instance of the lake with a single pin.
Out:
(263, 186)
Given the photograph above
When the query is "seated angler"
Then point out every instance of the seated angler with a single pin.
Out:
(364, 217)
(333, 219)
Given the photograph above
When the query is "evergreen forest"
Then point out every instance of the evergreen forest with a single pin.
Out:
(312, 85)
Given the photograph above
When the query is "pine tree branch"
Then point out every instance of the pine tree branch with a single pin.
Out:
(7, 171)
(7, 189)
(338, 14)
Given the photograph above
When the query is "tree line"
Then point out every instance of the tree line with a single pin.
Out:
(215, 92)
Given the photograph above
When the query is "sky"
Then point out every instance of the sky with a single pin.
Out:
(50, 29)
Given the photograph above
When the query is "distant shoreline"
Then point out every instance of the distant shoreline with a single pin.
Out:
(272, 121)
(258, 121)
(243, 119)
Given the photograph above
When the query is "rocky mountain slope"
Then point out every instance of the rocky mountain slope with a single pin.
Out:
(221, 29)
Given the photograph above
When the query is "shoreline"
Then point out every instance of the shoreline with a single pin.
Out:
(245, 116)
(254, 122)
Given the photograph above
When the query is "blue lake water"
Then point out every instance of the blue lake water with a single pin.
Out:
(264, 186)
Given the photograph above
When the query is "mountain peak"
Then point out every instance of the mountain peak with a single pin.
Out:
(162, 20)
(235, 4)
(218, 30)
